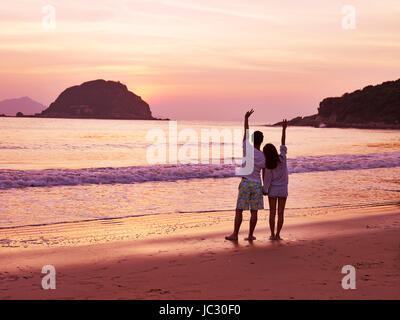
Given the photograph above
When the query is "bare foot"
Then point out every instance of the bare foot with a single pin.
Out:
(272, 238)
(277, 237)
(232, 237)
(250, 238)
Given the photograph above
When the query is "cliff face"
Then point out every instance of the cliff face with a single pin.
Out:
(98, 99)
(372, 107)
(379, 103)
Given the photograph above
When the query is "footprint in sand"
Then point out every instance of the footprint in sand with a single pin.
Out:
(160, 291)
(13, 278)
(208, 260)
(366, 277)
(122, 260)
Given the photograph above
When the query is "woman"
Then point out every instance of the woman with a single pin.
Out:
(276, 180)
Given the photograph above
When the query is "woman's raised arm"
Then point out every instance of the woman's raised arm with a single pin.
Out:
(284, 126)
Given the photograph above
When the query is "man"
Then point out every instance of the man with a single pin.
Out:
(250, 194)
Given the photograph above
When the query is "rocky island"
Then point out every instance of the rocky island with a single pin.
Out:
(373, 107)
(98, 99)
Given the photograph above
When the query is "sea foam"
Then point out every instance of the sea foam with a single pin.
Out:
(138, 174)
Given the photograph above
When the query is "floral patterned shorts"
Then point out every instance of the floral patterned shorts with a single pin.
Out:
(250, 195)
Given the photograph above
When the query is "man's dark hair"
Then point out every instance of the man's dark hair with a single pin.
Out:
(258, 138)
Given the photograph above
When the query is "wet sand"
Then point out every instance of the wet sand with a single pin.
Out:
(185, 256)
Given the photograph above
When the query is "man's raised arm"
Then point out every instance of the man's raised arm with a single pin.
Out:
(246, 123)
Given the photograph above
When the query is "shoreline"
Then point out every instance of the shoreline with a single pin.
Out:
(395, 128)
(341, 126)
(185, 257)
(138, 216)
(37, 117)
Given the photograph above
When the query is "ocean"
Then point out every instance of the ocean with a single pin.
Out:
(67, 170)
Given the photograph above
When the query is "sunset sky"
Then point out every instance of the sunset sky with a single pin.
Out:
(201, 59)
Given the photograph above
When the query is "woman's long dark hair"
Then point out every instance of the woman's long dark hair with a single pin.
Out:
(271, 156)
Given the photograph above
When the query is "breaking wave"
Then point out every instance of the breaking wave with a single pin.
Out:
(137, 174)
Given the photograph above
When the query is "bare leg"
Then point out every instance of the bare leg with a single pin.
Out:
(238, 222)
(281, 210)
(253, 222)
(272, 213)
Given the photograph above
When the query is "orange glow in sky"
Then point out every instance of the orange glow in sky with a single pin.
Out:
(201, 59)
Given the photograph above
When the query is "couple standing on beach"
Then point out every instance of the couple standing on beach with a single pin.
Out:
(275, 182)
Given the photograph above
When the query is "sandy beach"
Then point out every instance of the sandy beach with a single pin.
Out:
(186, 257)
